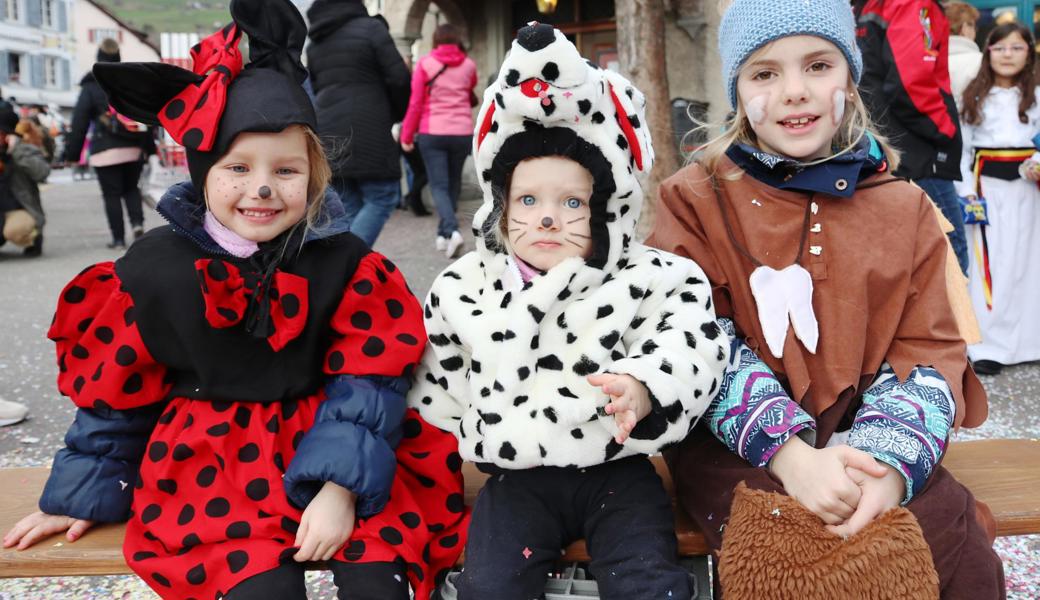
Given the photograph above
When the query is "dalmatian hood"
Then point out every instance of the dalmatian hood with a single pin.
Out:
(549, 100)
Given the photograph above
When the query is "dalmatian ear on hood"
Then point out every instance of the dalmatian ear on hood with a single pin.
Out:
(630, 103)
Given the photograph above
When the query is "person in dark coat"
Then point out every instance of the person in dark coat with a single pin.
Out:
(907, 90)
(116, 152)
(23, 168)
(361, 84)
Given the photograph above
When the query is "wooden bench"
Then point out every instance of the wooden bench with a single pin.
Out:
(1005, 474)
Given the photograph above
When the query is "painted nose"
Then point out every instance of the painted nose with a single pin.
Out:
(264, 192)
(547, 222)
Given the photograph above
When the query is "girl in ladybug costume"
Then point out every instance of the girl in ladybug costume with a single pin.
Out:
(240, 373)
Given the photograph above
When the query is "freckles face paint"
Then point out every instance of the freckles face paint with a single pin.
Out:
(756, 109)
(838, 98)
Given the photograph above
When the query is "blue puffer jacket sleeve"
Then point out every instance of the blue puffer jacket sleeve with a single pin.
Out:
(351, 442)
(93, 477)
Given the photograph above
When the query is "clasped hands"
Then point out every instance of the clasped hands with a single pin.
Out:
(847, 488)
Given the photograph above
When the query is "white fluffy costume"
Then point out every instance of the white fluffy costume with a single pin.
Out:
(507, 362)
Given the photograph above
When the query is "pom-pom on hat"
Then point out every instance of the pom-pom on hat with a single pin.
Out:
(206, 108)
(748, 25)
(549, 101)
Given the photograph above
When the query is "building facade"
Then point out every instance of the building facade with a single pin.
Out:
(37, 51)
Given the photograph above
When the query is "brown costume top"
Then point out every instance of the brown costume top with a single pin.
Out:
(879, 283)
(879, 295)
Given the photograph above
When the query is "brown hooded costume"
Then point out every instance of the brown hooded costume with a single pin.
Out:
(878, 271)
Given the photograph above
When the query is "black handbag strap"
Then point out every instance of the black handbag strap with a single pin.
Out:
(429, 83)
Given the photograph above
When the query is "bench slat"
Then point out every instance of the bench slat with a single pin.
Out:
(1005, 474)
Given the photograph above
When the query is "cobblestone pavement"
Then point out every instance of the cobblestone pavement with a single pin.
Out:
(75, 237)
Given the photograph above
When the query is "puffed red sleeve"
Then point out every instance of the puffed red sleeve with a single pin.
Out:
(378, 324)
(102, 360)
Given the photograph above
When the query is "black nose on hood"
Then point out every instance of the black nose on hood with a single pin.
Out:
(535, 36)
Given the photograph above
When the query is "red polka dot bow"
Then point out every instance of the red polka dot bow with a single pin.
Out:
(227, 296)
(192, 116)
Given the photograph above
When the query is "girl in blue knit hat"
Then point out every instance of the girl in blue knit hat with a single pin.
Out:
(848, 370)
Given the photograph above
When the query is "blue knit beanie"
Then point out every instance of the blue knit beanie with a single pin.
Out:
(750, 24)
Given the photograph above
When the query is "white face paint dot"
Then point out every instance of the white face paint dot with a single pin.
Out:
(756, 109)
(839, 106)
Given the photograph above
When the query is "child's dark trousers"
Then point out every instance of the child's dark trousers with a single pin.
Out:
(522, 520)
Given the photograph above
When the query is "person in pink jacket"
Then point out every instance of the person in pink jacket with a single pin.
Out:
(440, 122)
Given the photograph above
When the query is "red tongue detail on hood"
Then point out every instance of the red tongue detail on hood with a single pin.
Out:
(532, 88)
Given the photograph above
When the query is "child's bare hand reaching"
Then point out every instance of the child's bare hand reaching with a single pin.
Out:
(629, 401)
(39, 525)
(326, 524)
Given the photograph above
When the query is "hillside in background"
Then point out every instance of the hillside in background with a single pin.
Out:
(156, 16)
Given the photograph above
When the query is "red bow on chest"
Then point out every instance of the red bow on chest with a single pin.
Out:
(275, 308)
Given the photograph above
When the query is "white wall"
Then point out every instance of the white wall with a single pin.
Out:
(86, 17)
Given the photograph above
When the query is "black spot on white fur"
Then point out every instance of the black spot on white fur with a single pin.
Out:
(550, 71)
(512, 79)
(584, 106)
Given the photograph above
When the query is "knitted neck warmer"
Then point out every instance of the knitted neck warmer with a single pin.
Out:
(235, 244)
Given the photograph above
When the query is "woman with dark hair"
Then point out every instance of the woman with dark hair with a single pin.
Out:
(118, 149)
(440, 122)
(999, 119)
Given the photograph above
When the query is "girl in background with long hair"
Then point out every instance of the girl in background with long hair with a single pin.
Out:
(999, 120)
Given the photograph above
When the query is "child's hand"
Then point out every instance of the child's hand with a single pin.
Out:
(327, 523)
(1031, 170)
(629, 401)
(818, 478)
(878, 495)
(39, 525)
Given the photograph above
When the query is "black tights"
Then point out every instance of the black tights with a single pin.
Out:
(354, 581)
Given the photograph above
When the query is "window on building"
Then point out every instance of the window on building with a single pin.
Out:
(50, 13)
(14, 67)
(51, 73)
(12, 10)
(96, 35)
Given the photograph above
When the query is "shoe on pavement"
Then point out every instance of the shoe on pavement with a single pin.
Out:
(987, 367)
(116, 244)
(12, 412)
(441, 243)
(138, 231)
(454, 243)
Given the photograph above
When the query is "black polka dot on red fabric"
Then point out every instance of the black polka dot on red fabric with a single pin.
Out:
(410, 519)
(290, 525)
(167, 485)
(286, 555)
(97, 372)
(206, 476)
(84, 325)
(167, 417)
(182, 452)
(289, 409)
(174, 109)
(129, 316)
(406, 338)
(80, 352)
(193, 138)
(416, 570)
(290, 305)
(133, 384)
(237, 560)
(296, 439)
(258, 489)
(197, 574)
(238, 530)
(75, 294)
(151, 513)
(273, 424)
(373, 347)
(449, 541)
(336, 361)
(157, 451)
(394, 308)
(381, 276)
(218, 507)
(104, 334)
(139, 556)
(191, 540)
(126, 356)
(355, 550)
(242, 416)
(455, 503)
(220, 461)
(279, 461)
(227, 313)
(217, 270)
(361, 320)
(186, 515)
(454, 462)
(248, 453)
(425, 481)
(363, 287)
(79, 383)
(62, 367)
(158, 578)
(411, 428)
(101, 405)
(219, 429)
(220, 406)
(389, 266)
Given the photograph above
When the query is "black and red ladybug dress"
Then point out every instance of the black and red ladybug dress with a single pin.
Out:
(211, 436)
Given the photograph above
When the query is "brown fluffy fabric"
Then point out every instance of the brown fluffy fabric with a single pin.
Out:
(774, 548)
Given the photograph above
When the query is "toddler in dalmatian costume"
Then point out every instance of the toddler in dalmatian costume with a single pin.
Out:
(561, 351)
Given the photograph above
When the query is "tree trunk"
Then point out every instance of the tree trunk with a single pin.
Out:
(641, 51)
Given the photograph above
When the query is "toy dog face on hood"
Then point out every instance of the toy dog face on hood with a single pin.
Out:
(549, 101)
